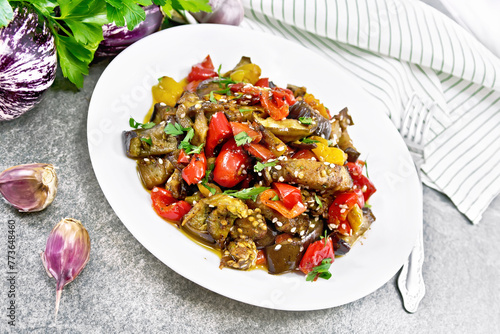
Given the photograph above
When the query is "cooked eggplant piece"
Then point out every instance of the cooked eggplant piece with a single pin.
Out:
(345, 243)
(314, 231)
(195, 223)
(239, 254)
(312, 174)
(340, 246)
(161, 112)
(285, 256)
(154, 171)
(137, 142)
(218, 213)
(302, 109)
(282, 224)
(176, 185)
(302, 146)
(287, 130)
(297, 91)
(343, 120)
(207, 86)
(275, 145)
(267, 239)
(200, 127)
(252, 227)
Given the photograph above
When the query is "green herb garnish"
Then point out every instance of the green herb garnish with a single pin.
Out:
(248, 193)
(147, 140)
(260, 166)
(244, 110)
(212, 97)
(204, 181)
(318, 201)
(186, 145)
(321, 271)
(305, 120)
(175, 129)
(308, 141)
(242, 138)
(275, 198)
(134, 124)
(366, 167)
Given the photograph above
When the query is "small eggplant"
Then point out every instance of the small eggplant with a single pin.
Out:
(302, 109)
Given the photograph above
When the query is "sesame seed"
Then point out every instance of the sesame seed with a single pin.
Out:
(155, 189)
(343, 226)
(197, 106)
(274, 219)
(281, 148)
(248, 96)
(278, 167)
(342, 211)
(160, 161)
(211, 206)
(146, 159)
(278, 247)
(293, 229)
(301, 248)
(296, 173)
(222, 100)
(281, 179)
(163, 104)
(194, 202)
(259, 173)
(364, 188)
(302, 232)
(279, 223)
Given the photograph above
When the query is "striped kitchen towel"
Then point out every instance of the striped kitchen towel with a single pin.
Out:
(395, 48)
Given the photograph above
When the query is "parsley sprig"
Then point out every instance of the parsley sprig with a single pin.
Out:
(176, 129)
(318, 201)
(77, 24)
(242, 138)
(321, 270)
(134, 124)
(248, 193)
(259, 166)
(305, 120)
(204, 181)
(309, 141)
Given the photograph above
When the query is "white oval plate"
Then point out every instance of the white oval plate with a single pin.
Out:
(124, 90)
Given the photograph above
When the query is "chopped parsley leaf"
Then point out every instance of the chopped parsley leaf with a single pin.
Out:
(305, 120)
(260, 166)
(212, 97)
(244, 110)
(134, 124)
(147, 140)
(321, 270)
(318, 201)
(248, 193)
(242, 138)
(309, 141)
(175, 129)
(275, 198)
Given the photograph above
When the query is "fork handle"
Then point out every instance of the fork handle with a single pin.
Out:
(410, 281)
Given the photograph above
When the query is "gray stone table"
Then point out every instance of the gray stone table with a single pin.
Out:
(125, 289)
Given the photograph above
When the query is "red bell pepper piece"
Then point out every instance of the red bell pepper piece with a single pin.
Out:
(230, 164)
(305, 154)
(183, 157)
(241, 127)
(259, 151)
(203, 70)
(288, 194)
(219, 130)
(191, 87)
(339, 209)
(166, 206)
(315, 253)
(360, 181)
(267, 196)
(262, 82)
(195, 170)
(277, 112)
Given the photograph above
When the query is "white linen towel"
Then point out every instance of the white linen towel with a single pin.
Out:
(394, 48)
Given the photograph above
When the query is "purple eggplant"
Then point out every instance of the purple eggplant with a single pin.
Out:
(28, 63)
(117, 39)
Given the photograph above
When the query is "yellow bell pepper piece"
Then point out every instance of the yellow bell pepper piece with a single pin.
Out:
(168, 91)
(328, 154)
(315, 104)
(355, 218)
(246, 73)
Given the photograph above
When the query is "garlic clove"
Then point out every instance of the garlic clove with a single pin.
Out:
(66, 253)
(30, 187)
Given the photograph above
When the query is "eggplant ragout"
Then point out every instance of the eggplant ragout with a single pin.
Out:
(262, 173)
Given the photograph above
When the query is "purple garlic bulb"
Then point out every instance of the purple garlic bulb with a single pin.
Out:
(30, 187)
(66, 253)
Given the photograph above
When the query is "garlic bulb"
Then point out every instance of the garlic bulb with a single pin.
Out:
(30, 187)
(66, 253)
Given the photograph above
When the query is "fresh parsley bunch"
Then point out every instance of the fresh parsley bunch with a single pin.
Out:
(77, 24)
